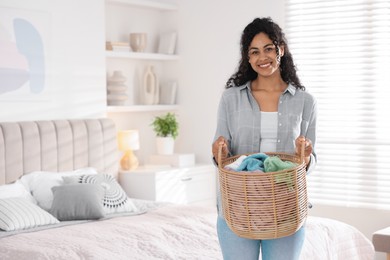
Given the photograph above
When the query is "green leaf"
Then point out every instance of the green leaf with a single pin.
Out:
(166, 125)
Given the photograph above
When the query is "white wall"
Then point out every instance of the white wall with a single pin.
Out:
(73, 39)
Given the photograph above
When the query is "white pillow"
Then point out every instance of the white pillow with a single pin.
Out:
(115, 199)
(40, 183)
(18, 213)
(16, 190)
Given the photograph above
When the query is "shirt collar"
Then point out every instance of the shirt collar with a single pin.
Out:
(290, 88)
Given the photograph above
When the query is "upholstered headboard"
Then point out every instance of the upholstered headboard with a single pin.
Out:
(58, 145)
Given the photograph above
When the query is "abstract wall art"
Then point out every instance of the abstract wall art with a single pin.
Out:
(23, 53)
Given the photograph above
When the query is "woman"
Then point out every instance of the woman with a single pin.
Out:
(264, 109)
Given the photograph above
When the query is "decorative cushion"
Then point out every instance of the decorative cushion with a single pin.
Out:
(40, 183)
(115, 199)
(78, 201)
(16, 190)
(19, 213)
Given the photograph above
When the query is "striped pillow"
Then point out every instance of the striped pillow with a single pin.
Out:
(19, 213)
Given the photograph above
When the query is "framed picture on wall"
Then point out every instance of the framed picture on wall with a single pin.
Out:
(167, 43)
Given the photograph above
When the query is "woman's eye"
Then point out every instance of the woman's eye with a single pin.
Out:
(253, 53)
(269, 49)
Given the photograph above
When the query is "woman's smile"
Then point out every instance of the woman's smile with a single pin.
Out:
(265, 65)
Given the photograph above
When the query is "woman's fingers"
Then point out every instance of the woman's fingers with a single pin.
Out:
(301, 140)
(221, 141)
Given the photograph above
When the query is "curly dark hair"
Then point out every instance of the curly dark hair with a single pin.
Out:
(245, 72)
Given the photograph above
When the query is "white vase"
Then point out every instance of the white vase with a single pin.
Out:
(165, 145)
(138, 41)
(116, 89)
(150, 87)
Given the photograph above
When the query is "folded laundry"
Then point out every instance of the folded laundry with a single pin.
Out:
(274, 164)
(253, 162)
(234, 165)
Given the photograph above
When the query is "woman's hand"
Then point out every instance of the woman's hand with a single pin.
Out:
(225, 149)
(301, 140)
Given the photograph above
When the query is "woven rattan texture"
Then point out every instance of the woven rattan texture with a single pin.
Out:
(264, 205)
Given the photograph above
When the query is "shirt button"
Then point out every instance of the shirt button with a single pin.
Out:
(281, 102)
(280, 124)
(280, 114)
(278, 140)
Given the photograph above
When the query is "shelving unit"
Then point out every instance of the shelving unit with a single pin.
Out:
(139, 16)
(147, 4)
(141, 108)
(141, 56)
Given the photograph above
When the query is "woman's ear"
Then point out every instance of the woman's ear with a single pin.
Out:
(281, 50)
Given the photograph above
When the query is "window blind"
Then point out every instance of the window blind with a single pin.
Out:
(342, 52)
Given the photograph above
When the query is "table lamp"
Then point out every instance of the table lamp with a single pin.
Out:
(128, 141)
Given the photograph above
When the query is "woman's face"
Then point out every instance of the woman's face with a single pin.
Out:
(262, 55)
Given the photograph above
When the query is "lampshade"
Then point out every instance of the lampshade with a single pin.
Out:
(128, 140)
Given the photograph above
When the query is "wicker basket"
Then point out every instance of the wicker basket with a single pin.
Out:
(260, 205)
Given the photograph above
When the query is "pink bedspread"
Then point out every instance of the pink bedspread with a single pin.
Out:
(173, 232)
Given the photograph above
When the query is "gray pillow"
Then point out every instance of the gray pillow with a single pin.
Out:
(78, 202)
(115, 199)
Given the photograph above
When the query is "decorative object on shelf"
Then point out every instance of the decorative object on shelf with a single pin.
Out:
(168, 93)
(108, 46)
(150, 87)
(120, 46)
(116, 89)
(167, 43)
(167, 129)
(138, 41)
(128, 141)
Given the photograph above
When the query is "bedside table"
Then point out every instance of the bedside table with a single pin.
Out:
(381, 241)
(185, 185)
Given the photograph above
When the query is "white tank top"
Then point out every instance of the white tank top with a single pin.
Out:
(269, 131)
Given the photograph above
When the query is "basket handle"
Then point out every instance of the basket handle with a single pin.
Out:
(302, 158)
(219, 159)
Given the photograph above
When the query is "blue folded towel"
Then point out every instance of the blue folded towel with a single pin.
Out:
(253, 162)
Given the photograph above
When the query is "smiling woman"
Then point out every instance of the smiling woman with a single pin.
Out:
(264, 109)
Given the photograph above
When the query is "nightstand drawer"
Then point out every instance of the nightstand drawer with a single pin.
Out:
(176, 185)
(200, 187)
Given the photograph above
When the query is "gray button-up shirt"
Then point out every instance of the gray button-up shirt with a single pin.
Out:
(239, 120)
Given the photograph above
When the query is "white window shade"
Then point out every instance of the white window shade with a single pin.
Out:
(342, 53)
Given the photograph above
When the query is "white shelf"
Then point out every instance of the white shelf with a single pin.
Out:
(140, 55)
(141, 108)
(164, 6)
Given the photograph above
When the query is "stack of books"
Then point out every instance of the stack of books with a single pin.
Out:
(117, 46)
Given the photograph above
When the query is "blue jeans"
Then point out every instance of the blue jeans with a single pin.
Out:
(234, 247)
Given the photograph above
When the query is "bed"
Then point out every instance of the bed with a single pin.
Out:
(71, 153)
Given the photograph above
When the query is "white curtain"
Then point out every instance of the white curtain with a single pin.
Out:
(342, 52)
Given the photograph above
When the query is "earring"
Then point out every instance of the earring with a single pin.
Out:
(278, 58)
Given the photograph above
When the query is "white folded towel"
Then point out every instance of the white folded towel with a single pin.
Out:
(234, 165)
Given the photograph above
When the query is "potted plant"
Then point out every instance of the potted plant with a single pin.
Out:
(167, 129)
